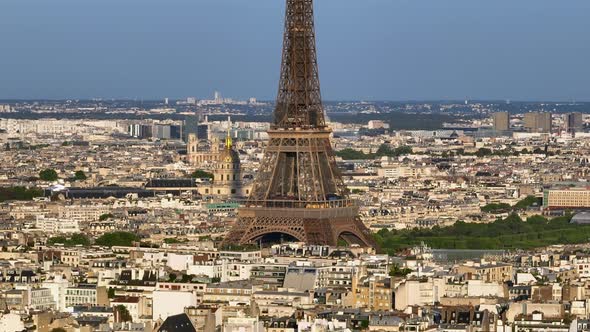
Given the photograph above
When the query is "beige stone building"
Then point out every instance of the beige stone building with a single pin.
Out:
(489, 272)
(373, 293)
(199, 152)
(227, 175)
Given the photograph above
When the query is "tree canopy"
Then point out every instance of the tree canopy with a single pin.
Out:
(19, 193)
(509, 233)
(105, 216)
(200, 174)
(505, 207)
(48, 175)
(80, 176)
(397, 271)
(384, 150)
(124, 315)
(73, 240)
(124, 239)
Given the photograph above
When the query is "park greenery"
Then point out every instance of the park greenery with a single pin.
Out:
(200, 174)
(105, 216)
(73, 240)
(172, 240)
(485, 152)
(123, 313)
(509, 233)
(80, 176)
(507, 152)
(497, 208)
(124, 239)
(48, 175)
(19, 193)
(184, 278)
(384, 150)
(397, 271)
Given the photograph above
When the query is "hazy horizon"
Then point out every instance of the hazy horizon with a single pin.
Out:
(324, 100)
(373, 50)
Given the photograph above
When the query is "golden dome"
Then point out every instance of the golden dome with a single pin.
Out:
(229, 155)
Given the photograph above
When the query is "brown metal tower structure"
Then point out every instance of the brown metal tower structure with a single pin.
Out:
(298, 190)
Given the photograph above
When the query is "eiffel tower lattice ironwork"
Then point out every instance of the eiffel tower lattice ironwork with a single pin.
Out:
(298, 190)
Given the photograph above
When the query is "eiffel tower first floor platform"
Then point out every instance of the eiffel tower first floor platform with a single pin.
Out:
(323, 223)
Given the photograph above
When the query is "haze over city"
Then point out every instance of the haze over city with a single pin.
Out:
(368, 50)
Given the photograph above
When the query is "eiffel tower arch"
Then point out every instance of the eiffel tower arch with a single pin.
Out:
(298, 191)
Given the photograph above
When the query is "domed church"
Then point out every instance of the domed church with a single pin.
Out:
(227, 175)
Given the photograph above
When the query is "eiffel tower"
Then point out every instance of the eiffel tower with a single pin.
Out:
(298, 192)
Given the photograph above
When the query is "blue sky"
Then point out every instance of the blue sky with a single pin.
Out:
(368, 49)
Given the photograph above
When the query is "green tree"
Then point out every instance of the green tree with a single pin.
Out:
(482, 152)
(58, 329)
(386, 151)
(351, 154)
(364, 324)
(105, 216)
(73, 240)
(124, 239)
(508, 233)
(111, 293)
(19, 194)
(80, 176)
(172, 240)
(526, 202)
(124, 315)
(496, 208)
(200, 174)
(537, 220)
(48, 175)
(396, 271)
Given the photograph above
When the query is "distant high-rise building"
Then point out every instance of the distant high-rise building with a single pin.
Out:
(574, 122)
(191, 100)
(139, 130)
(191, 123)
(217, 97)
(176, 132)
(377, 124)
(165, 101)
(537, 122)
(501, 121)
(161, 131)
(5, 108)
(203, 131)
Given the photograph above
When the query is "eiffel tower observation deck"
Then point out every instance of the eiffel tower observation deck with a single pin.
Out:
(298, 193)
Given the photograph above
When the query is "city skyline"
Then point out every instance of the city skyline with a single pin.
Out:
(204, 204)
(400, 50)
